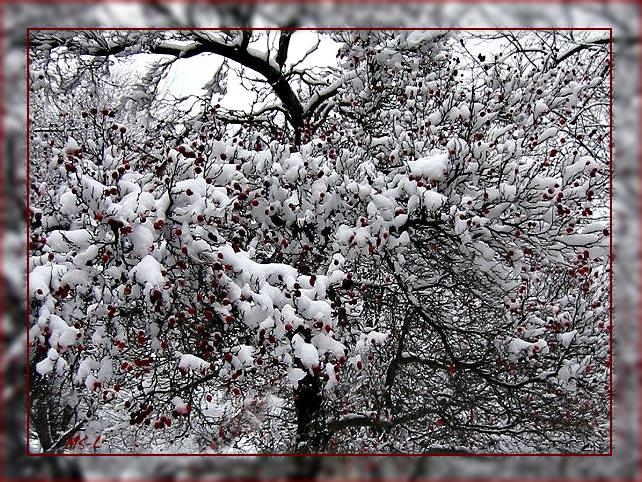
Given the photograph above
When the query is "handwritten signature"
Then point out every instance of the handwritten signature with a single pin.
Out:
(79, 442)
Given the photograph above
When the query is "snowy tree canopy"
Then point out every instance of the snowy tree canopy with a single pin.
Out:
(404, 249)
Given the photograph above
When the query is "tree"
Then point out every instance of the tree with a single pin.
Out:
(407, 251)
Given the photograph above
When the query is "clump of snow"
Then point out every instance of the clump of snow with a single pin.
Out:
(180, 406)
(433, 200)
(420, 37)
(376, 338)
(332, 377)
(84, 369)
(567, 338)
(540, 108)
(72, 147)
(106, 371)
(306, 352)
(249, 270)
(547, 134)
(367, 341)
(91, 382)
(135, 202)
(245, 356)
(62, 335)
(69, 204)
(518, 347)
(142, 240)
(434, 167)
(47, 365)
(435, 118)
(569, 373)
(295, 375)
(578, 239)
(327, 344)
(148, 272)
(42, 278)
(192, 362)
(62, 241)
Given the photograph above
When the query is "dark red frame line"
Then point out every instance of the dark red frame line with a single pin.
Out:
(312, 1)
(29, 30)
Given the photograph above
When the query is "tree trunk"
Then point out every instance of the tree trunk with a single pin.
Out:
(311, 424)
